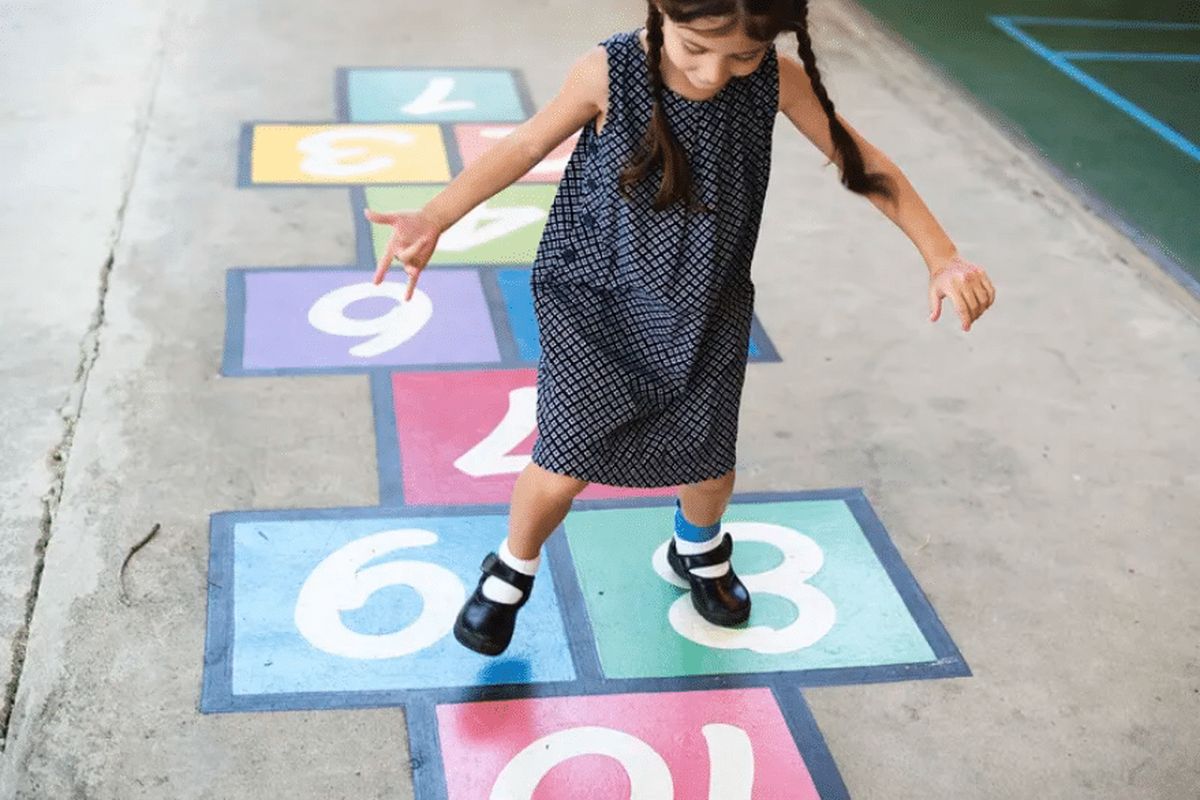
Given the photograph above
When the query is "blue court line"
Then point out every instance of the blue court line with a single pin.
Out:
(1057, 60)
(1116, 24)
(1083, 55)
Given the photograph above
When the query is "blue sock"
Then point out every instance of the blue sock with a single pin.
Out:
(688, 532)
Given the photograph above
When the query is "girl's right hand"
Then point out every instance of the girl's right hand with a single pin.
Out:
(414, 237)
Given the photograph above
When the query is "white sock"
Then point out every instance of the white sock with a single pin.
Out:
(499, 591)
(688, 548)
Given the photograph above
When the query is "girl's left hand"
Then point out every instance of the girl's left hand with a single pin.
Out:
(966, 284)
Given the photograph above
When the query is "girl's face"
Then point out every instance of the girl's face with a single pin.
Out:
(709, 51)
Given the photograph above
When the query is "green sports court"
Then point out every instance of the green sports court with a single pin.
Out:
(1107, 90)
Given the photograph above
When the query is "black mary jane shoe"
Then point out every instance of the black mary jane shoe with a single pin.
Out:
(722, 601)
(484, 625)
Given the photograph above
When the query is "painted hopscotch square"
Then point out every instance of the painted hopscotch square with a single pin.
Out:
(431, 95)
(518, 301)
(458, 438)
(475, 140)
(352, 607)
(505, 229)
(332, 154)
(302, 320)
(731, 744)
(832, 600)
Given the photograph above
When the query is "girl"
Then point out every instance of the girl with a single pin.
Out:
(641, 282)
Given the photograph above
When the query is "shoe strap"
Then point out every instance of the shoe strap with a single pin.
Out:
(493, 566)
(710, 558)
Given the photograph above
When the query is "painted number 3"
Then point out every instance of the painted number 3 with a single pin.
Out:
(802, 558)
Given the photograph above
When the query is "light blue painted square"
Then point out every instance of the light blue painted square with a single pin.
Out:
(518, 299)
(420, 95)
(299, 626)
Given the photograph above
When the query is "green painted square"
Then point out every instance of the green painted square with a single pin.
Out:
(822, 598)
(505, 229)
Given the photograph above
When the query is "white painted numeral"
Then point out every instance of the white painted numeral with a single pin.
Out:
(434, 99)
(649, 776)
(324, 157)
(340, 583)
(483, 224)
(402, 322)
(802, 558)
(551, 166)
(493, 456)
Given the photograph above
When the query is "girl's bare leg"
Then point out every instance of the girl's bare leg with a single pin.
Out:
(540, 502)
(704, 503)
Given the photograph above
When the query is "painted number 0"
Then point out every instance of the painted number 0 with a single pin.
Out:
(802, 558)
(730, 758)
(339, 583)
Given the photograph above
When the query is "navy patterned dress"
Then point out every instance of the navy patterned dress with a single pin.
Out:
(644, 316)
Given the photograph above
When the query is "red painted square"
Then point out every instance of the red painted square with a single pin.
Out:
(474, 140)
(705, 745)
(465, 436)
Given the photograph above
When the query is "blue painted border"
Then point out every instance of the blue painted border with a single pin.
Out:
(1089, 55)
(217, 692)
(1100, 89)
(1091, 22)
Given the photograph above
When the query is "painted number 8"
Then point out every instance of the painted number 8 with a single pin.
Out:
(802, 558)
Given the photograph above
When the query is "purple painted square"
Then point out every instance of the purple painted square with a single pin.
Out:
(337, 319)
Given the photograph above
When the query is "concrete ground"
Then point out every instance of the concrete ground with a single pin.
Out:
(1039, 475)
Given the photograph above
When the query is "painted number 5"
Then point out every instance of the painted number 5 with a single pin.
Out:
(339, 583)
(802, 558)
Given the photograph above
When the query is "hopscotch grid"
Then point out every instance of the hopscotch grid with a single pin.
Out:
(427, 767)
(1011, 26)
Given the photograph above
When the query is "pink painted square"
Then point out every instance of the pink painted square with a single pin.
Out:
(465, 436)
(474, 140)
(705, 745)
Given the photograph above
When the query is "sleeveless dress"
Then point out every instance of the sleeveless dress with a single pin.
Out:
(644, 316)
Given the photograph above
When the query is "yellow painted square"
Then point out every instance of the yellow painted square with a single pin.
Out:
(347, 154)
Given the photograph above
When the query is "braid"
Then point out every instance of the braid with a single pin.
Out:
(854, 174)
(659, 146)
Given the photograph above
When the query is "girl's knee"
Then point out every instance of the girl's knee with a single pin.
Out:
(558, 484)
(719, 485)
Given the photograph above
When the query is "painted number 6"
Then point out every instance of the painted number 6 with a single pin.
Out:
(802, 558)
(339, 583)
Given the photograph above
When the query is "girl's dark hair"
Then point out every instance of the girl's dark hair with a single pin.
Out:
(762, 20)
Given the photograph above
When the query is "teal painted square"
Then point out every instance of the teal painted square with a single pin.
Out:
(844, 610)
(421, 95)
(352, 604)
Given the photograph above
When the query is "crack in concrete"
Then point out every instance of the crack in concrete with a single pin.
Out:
(72, 409)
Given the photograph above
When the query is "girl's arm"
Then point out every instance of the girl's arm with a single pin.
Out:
(583, 95)
(966, 284)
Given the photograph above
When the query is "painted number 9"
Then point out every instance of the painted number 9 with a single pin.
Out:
(402, 322)
(802, 558)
